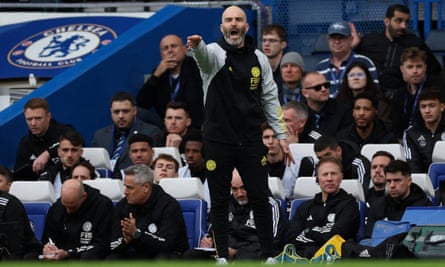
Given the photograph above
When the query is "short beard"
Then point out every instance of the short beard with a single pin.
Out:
(234, 43)
(242, 202)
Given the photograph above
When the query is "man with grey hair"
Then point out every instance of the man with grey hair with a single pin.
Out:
(295, 116)
(147, 223)
(292, 69)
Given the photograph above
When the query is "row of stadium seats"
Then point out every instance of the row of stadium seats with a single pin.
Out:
(38, 196)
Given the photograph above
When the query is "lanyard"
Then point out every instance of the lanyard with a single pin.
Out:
(174, 92)
(416, 99)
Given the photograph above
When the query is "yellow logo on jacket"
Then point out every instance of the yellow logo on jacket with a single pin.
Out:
(211, 165)
(255, 80)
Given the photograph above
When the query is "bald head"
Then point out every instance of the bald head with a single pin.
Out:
(72, 195)
(238, 190)
(234, 26)
(234, 10)
(173, 49)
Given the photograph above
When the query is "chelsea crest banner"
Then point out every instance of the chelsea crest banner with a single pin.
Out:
(49, 46)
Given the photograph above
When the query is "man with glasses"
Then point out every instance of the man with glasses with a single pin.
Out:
(70, 153)
(274, 43)
(325, 113)
(340, 44)
(114, 137)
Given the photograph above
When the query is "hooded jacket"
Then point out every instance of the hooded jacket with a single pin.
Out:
(315, 221)
(162, 226)
(85, 234)
(239, 93)
(379, 135)
(242, 229)
(32, 146)
(388, 208)
(25, 245)
(418, 144)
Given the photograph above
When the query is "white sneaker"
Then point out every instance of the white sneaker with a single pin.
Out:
(271, 261)
(221, 261)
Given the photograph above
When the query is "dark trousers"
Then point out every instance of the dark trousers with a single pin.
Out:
(250, 161)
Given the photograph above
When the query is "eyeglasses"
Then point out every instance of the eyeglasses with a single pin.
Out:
(358, 75)
(265, 40)
(318, 87)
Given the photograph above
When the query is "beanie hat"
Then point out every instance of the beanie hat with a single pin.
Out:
(294, 58)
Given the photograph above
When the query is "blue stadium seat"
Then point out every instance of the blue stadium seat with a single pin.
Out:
(37, 215)
(195, 217)
(294, 204)
(430, 215)
(277, 191)
(436, 172)
(383, 229)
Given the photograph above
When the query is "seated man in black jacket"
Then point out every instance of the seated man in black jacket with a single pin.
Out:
(330, 212)
(176, 78)
(78, 225)
(401, 193)
(147, 223)
(70, 153)
(367, 127)
(243, 239)
(17, 239)
(354, 165)
(38, 148)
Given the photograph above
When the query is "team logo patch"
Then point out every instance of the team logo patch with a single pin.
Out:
(264, 161)
(421, 141)
(211, 165)
(152, 228)
(87, 226)
(256, 72)
(331, 217)
(60, 47)
(255, 80)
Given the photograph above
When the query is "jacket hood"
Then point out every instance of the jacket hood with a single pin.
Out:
(248, 45)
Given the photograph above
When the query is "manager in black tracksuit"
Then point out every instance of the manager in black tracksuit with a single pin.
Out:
(148, 223)
(78, 225)
(240, 94)
(330, 212)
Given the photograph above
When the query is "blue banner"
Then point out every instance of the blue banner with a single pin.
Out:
(47, 47)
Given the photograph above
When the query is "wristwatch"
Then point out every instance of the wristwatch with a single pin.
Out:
(137, 234)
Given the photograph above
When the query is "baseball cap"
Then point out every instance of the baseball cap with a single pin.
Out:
(294, 58)
(339, 27)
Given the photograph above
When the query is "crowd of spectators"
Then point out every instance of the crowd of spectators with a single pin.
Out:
(356, 96)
